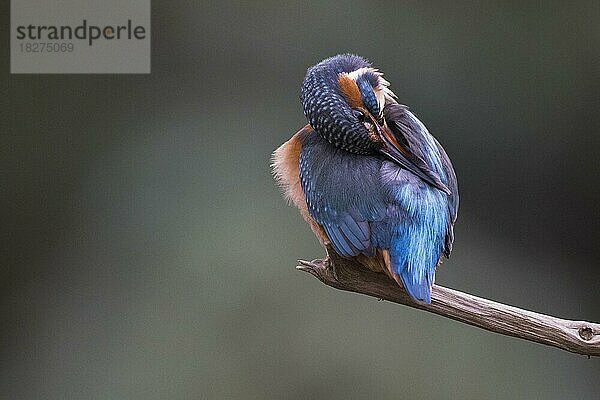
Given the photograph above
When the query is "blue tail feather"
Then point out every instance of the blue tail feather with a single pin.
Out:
(414, 255)
(420, 290)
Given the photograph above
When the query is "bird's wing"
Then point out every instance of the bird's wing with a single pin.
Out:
(342, 193)
(453, 200)
(409, 131)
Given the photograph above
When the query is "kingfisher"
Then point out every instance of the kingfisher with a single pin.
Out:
(367, 175)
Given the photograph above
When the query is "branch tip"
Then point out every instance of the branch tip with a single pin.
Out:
(586, 333)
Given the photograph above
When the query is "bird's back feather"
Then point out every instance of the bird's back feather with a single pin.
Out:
(370, 208)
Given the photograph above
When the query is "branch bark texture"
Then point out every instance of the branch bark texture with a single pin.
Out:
(579, 337)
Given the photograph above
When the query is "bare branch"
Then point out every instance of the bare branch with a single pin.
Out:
(575, 336)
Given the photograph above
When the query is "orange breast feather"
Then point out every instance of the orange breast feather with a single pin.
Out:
(286, 168)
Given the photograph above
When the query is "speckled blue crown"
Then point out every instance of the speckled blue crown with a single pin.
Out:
(326, 108)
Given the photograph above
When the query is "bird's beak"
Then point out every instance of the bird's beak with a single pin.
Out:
(404, 158)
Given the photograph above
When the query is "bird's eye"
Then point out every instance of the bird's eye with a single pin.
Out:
(359, 115)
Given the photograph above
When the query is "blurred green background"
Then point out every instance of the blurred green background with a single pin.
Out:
(147, 253)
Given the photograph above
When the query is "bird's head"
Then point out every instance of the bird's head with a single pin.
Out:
(343, 99)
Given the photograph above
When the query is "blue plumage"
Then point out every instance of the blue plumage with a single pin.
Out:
(417, 239)
(372, 176)
(367, 95)
(337, 194)
(368, 202)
